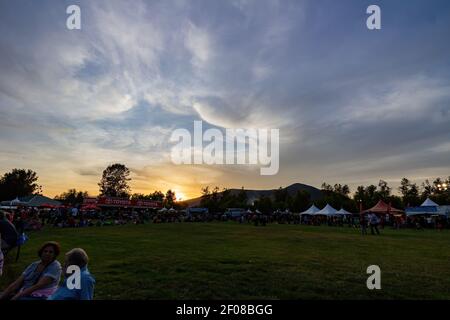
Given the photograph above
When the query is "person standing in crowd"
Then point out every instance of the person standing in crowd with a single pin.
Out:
(40, 279)
(79, 258)
(8, 233)
(1, 259)
(374, 221)
(363, 223)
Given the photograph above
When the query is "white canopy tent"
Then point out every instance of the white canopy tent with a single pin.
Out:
(428, 207)
(429, 203)
(312, 210)
(15, 202)
(326, 211)
(343, 212)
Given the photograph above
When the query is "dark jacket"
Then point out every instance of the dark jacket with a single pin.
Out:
(8, 232)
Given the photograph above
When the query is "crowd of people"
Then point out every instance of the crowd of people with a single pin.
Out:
(26, 219)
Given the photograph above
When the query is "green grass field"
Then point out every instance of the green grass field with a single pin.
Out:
(233, 261)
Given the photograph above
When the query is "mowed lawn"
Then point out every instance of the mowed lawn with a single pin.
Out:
(234, 261)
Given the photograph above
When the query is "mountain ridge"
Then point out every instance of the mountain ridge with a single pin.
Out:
(253, 195)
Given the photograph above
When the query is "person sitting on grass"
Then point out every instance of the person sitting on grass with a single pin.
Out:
(40, 279)
(79, 258)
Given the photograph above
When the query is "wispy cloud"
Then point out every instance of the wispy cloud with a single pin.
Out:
(350, 103)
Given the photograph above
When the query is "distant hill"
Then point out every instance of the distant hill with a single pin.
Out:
(253, 195)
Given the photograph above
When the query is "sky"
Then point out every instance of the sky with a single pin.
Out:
(352, 105)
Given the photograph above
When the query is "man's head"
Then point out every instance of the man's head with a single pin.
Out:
(78, 257)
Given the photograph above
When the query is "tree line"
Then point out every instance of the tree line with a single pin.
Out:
(338, 196)
(115, 183)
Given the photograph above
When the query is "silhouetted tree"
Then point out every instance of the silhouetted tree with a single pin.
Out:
(327, 187)
(281, 199)
(383, 190)
(114, 182)
(264, 204)
(410, 193)
(301, 201)
(140, 196)
(19, 183)
(157, 196)
(170, 198)
(427, 189)
(72, 197)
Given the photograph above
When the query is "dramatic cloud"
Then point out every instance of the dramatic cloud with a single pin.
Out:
(352, 105)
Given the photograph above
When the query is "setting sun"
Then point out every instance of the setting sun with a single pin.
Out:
(179, 195)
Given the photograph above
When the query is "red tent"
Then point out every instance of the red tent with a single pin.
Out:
(47, 206)
(383, 208)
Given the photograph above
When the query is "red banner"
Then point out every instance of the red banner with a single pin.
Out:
(122, 202)
(89, 201)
